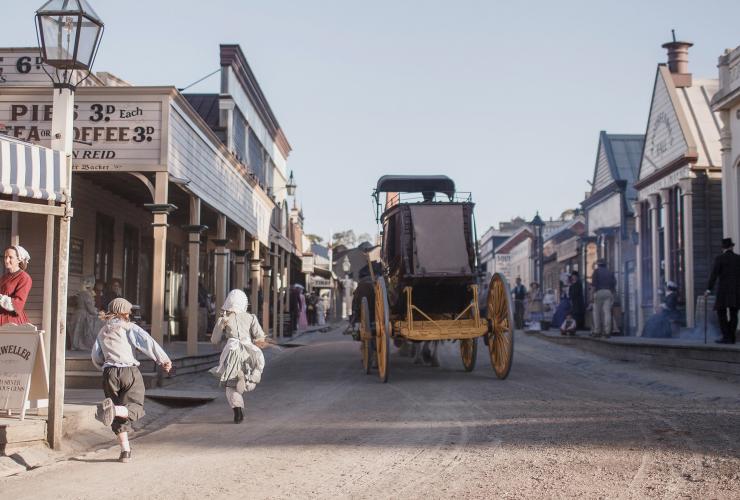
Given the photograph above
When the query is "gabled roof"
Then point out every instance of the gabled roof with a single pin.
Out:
(513, 240)
(681, 127)
(206, 105)
(575, 227)
(618, 159)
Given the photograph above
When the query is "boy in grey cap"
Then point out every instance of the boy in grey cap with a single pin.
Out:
(114, 353)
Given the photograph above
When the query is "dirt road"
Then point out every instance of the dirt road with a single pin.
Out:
(565, 423)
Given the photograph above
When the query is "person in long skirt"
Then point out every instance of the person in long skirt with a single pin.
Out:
(302, 318)
(320, 311)
(242, 362)
(15, 286)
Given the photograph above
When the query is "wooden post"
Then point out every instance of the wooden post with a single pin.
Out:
(665, 197)
(194, 230)
(240, 259)
(655, 240)
(222, 261)
(266, 294)
(281, 294)
(255, 270)
(160, 210)
(638, 254)
(688, 250)
(275, 289)
(47, 314)
(61, 133)
(286, 296)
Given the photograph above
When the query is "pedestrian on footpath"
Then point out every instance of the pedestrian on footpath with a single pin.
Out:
(569, 326)
(520, 294)
(603, 283)
(577, 302)
(114, 353)
(15, 285)
(726, 270)
(241, 364)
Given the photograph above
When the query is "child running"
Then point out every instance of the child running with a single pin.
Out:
(241, 363)
(114, 353)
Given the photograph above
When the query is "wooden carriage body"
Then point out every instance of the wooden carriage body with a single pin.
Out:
(428, 288)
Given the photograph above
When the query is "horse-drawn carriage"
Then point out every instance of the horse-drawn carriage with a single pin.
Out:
(426, 290)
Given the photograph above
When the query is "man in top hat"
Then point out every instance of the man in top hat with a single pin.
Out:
(726, 269)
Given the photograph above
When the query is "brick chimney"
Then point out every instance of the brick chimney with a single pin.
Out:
(678, 62)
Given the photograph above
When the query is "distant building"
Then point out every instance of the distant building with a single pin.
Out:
(679, 188)
(610, 220)
(727, 105)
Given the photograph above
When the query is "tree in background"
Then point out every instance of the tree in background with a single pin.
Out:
(315, 239)
(365, 237)
(344, 238)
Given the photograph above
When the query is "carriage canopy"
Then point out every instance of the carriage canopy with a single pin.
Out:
(416, 184)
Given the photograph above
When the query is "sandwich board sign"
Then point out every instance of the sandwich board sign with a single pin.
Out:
(23, 375)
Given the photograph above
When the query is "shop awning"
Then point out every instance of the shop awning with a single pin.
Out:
(32, 171)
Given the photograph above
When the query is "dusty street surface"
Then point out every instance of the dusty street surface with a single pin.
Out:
(565, 423)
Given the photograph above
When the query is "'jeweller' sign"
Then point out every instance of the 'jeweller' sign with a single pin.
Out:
(111, 134)
(17, 357)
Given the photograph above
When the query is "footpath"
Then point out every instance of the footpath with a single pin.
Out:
(23, 446)
(717, 360)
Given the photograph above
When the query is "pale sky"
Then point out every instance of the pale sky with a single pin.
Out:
(507, 98)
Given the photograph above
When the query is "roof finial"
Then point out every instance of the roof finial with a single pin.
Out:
(673, 34)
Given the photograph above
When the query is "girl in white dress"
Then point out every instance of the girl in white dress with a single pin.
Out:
(241, 364)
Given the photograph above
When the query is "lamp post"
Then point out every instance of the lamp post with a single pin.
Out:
(538, 224)
(69, 33)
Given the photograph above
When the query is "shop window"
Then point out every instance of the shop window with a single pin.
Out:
(677, 239)
(131, 263)
(5, 228)
(240, 136)
(646, 252)
(256, 158)
(104, 239)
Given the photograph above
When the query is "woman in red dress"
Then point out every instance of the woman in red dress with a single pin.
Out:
(14, 286)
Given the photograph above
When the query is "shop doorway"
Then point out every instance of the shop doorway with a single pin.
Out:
(131, 263)
(104, 226)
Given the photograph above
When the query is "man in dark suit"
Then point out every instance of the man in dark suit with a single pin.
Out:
(519, 292)
(577, 304)
(726, 269)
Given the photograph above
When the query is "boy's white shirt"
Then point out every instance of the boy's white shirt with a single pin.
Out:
(116, 342)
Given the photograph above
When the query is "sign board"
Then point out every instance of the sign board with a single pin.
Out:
(568, 249)
(307, 264)
(23, 373)
(317, 282)
(22, 66)
(115, 133)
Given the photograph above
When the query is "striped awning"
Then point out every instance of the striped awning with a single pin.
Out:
(32, 171)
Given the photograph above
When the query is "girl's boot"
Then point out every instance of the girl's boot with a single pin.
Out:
(238, 415)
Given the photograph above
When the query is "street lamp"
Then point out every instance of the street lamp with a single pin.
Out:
(538, 224)
(290, 186)
(68, 33)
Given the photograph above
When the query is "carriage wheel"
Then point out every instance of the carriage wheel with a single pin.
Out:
(382, 328)
(366, 336)
(501, 317)
(469, 352)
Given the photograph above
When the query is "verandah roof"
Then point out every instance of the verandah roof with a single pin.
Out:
(32, 171)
